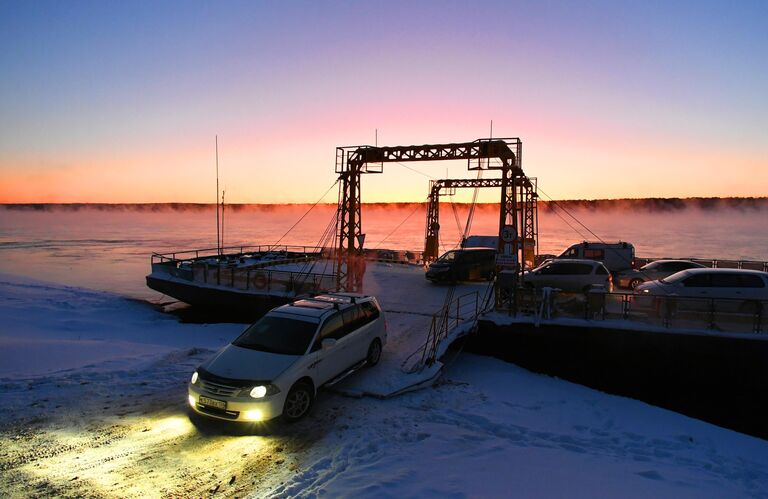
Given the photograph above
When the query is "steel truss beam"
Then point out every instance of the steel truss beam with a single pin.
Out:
(479, 149)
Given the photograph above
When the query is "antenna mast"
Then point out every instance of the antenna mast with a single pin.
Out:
(222, 218)
(218, 236)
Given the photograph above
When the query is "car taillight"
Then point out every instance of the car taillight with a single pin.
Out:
(610, 279)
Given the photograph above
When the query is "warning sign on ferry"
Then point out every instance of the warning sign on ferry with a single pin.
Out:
(508, 233)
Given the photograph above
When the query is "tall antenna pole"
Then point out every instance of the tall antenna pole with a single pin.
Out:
(218, 236)
(222, 217)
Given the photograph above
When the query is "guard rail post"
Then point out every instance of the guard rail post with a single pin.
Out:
(458, 311)
(625, 306)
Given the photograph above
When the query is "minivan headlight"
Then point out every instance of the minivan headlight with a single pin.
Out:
(194, 377)
(261, 391)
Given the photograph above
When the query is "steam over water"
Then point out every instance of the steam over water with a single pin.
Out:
(109, 247)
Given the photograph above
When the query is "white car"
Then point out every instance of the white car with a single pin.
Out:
(658, 269)
(276, 366)
(568, 274)
(710, 283)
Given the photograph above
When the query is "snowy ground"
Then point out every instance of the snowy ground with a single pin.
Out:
(93, 396)
(409, 301)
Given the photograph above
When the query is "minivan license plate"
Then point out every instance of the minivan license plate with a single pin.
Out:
(218, 404)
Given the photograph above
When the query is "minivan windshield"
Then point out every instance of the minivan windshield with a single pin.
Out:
(448, 257)
(281, 335)
(571, 252)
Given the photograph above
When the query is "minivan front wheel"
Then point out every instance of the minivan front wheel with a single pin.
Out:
(298, 402)
(374, 352)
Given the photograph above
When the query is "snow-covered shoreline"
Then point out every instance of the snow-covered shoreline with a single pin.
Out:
(93, 390)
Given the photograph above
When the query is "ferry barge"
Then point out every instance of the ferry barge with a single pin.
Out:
(255, 278)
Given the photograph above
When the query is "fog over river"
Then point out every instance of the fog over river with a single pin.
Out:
(108, 247)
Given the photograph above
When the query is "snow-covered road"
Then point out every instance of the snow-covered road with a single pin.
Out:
(93, 397)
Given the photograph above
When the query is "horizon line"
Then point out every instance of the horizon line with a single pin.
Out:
(302, 203)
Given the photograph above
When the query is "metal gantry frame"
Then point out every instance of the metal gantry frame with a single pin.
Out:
(439, 188)
(528, 213)
(516, 204)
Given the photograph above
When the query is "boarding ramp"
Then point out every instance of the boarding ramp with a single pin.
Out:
(420, 327)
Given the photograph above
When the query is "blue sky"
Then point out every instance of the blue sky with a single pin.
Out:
(112, 100)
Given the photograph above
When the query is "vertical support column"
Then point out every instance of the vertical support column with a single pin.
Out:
(508, 254)
(530, 235)
(432, 237)
(343, 223)
(349, 254)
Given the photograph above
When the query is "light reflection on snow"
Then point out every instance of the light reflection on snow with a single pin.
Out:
(141, 457)
(175, 425)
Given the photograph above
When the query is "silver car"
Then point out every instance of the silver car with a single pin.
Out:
(653, 271)
(711, 283)
(569, 275)
(276, 366)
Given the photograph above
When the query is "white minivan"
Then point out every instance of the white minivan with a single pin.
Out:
(568, 275)
(276, 366)
(711, 283)
(615, 256)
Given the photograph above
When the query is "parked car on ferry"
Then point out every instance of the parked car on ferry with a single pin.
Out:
(276, 366)
(658, 269)
(466, 264)
(615, 256)
(711, 283)
(568, 275)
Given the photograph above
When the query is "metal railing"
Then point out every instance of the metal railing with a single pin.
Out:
(247, 268)
(462, 309)
(232, 252)
(255, 279)
(229, 253)
(672, 312)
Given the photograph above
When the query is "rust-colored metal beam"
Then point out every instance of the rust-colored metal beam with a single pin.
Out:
(504, 150)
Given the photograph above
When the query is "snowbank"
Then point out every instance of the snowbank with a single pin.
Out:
(48, 328)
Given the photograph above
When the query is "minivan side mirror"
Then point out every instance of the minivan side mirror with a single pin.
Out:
(328, 343)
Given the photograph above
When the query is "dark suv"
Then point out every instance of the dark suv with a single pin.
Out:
(466, 264)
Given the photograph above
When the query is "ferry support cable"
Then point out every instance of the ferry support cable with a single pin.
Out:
(306, 213)
(557, 205)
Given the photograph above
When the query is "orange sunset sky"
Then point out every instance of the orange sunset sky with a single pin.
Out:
(120, 102)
